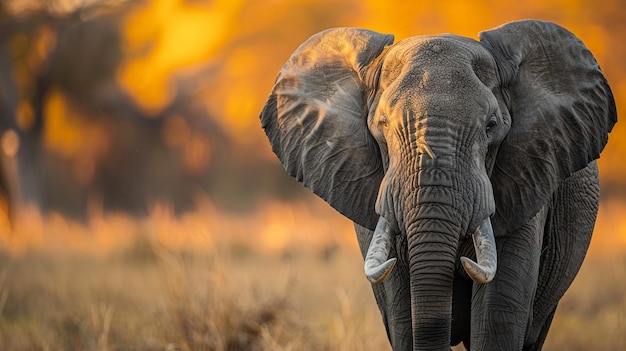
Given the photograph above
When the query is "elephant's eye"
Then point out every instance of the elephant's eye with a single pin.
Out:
(491, 126)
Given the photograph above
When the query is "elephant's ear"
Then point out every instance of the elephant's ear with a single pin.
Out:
(316, 120)
(561, 108)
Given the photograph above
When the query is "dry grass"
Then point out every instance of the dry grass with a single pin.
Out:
(287, 277)
(183, 301)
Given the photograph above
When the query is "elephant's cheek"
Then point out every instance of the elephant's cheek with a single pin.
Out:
(386, 205)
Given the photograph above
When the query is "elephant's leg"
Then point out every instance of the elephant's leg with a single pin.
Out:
(537, 345)
(569, 226)
(502, 309)
(392, 296)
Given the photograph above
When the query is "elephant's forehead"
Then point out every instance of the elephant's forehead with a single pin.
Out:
(409, 60)
(443, 54)
(446, 46)
(443, 74)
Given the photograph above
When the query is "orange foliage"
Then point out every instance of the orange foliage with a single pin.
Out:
(175, 131)
(196, 153)
(165, 36)
(72, 137)
(63, 128)
(25, 117)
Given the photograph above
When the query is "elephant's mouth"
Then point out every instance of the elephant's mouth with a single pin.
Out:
(378, 265)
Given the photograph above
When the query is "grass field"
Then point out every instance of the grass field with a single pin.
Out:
(287, 277)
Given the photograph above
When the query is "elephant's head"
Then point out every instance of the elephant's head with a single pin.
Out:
(437, 138)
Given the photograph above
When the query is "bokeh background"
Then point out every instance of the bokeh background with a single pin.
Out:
(141, 205)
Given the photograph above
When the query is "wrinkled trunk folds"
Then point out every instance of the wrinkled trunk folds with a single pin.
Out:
(432, 243)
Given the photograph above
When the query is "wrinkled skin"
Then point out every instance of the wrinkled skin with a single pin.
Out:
(434, 141)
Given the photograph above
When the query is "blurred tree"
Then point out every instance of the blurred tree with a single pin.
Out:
(82, 137)
(18, 116)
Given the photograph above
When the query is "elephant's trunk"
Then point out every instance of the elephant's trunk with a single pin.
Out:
(432, 245)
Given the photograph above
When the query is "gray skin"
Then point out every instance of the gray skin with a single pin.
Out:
(434, 141)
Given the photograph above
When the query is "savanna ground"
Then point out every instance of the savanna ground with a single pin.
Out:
(286, 277)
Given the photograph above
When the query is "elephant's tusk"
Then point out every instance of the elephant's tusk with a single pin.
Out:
(377, 266)
(486, 255)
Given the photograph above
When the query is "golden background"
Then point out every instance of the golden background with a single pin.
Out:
(132, 149)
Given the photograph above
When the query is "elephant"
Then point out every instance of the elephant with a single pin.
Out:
(467, 166)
